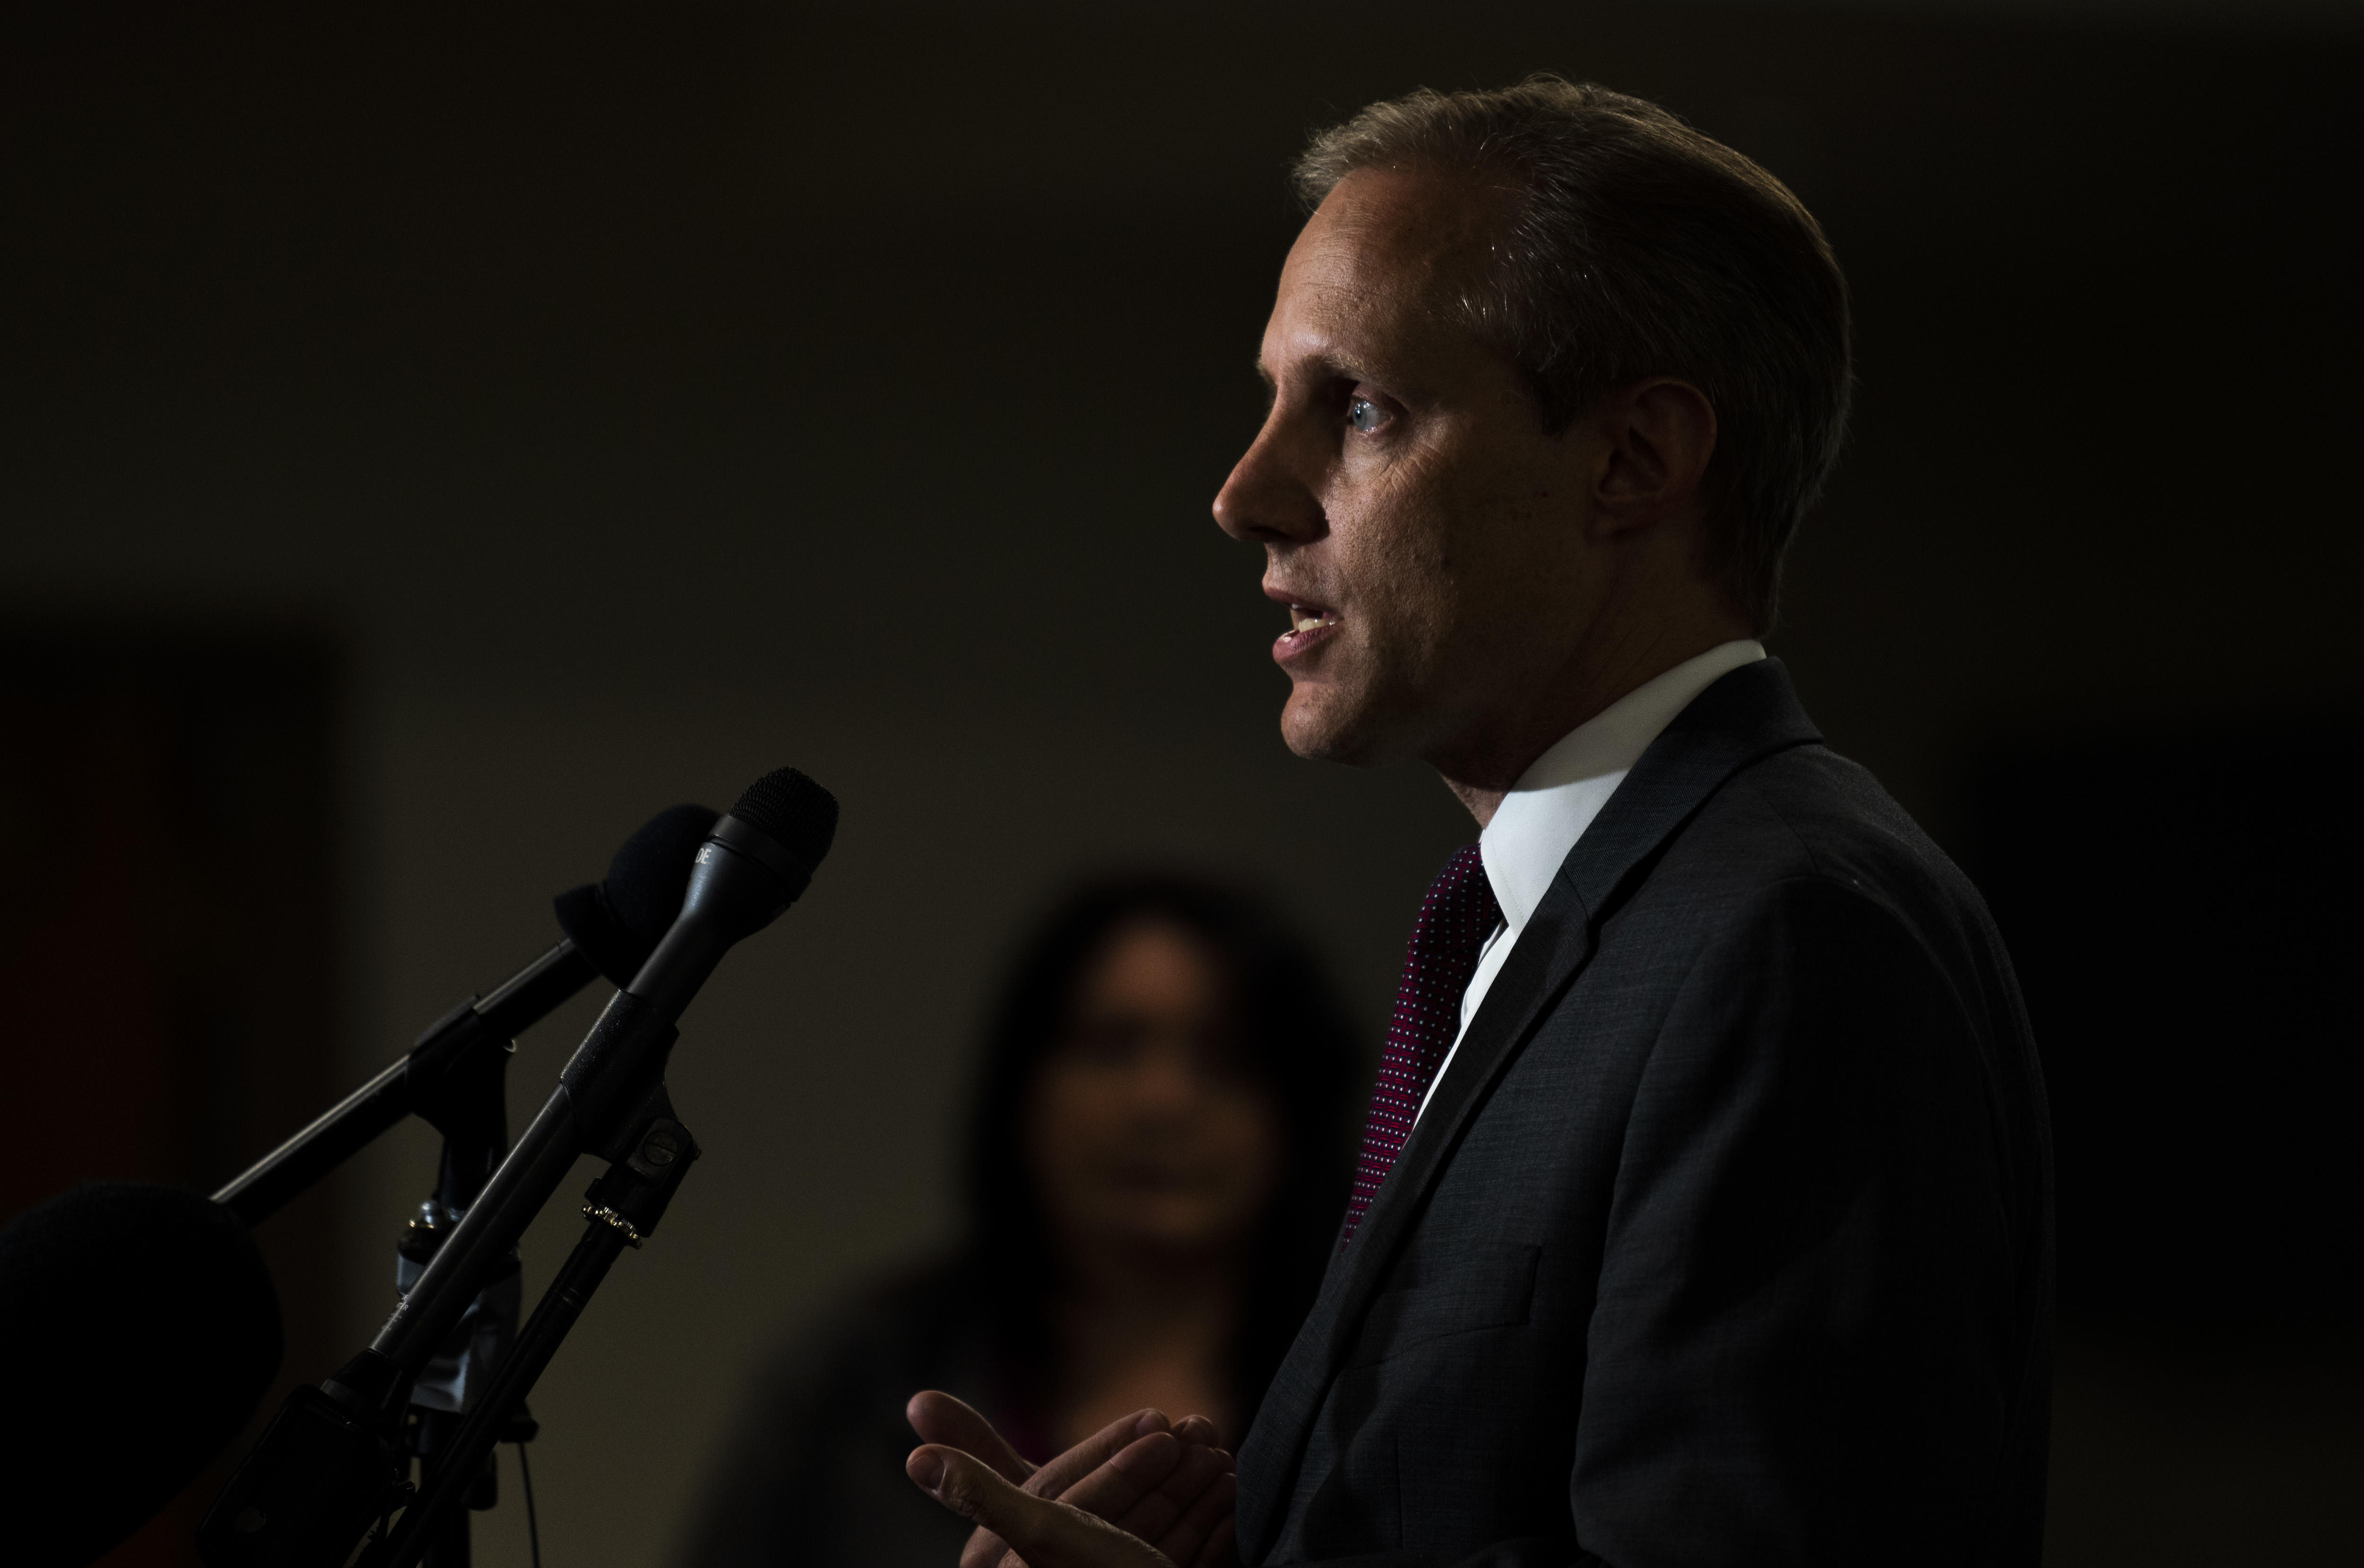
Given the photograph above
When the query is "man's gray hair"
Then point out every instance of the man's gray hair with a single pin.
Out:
(1637, 246)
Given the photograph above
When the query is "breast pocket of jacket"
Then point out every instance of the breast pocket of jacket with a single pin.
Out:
(1460, 1290)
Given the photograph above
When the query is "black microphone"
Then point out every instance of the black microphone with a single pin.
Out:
(611, 928)
(328, 1466)
(106, 1424)
(756, 862)
(618, 923)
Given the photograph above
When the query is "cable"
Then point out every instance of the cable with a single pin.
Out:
(533, 1528)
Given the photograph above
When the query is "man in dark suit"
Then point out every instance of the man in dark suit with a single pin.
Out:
(1704, 1209)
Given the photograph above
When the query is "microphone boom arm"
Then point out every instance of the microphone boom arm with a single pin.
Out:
(410, 1083)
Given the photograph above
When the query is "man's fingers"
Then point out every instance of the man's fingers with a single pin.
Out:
(987, 1550)
(1198, 1430)
(1132, 1473)
(947, 1415)
(1160, 1490)
(1219, 1550)
(984, 1550)
(1189, 1537)
(1054, 1479)
(1149, 1467)
(1046, 1534)
(938, 1418)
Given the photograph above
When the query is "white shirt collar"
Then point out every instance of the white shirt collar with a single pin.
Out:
(1557, 797)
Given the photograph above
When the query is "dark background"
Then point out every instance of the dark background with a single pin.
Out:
(449, 437)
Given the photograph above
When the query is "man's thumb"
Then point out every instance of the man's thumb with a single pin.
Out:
(1036, 1529)
(971, 1490)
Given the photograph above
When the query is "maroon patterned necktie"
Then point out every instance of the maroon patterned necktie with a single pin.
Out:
(1455, 919)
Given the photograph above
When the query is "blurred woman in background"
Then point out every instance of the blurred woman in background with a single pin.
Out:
(1158, 1163)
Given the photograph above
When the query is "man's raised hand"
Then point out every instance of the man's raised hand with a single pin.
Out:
(1137, 1494)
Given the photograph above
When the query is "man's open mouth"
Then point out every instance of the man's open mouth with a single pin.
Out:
(1303, 618)
(1310, 626)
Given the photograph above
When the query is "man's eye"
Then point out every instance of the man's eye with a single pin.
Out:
(1363, 415)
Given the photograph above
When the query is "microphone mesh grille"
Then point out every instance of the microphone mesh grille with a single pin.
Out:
(799, 815)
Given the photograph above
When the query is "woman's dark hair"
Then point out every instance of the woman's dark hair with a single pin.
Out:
(1294, 1037)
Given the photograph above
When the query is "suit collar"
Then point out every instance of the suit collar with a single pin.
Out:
(1556, 800)
(1749, 714)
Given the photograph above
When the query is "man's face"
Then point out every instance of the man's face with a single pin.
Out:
(1427, 536)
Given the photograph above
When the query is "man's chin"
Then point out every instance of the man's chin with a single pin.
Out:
(1319, 728)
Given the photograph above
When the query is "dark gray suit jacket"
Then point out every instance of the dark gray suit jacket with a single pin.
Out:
(1726, 1239)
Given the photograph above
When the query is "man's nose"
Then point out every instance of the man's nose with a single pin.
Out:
(1269, 497)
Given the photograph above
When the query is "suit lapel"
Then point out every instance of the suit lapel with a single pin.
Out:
(1749, 714)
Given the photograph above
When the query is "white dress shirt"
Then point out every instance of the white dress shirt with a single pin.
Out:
(1557, 799)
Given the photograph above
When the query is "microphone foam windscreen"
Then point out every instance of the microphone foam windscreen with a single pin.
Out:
(140, 1330)
(619, 922)
(794, 812)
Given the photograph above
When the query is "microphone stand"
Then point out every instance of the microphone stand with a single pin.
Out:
(454, 1077)
(336, 1458)
(322, 1487)
(622, 1209)
(468, 1105)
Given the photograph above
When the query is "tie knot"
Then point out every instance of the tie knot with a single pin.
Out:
(1460, 911)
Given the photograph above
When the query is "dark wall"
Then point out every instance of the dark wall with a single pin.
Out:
(806, 350)
(169, 912)
(651, 396)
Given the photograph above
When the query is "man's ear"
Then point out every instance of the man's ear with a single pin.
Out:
(1660, 433)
